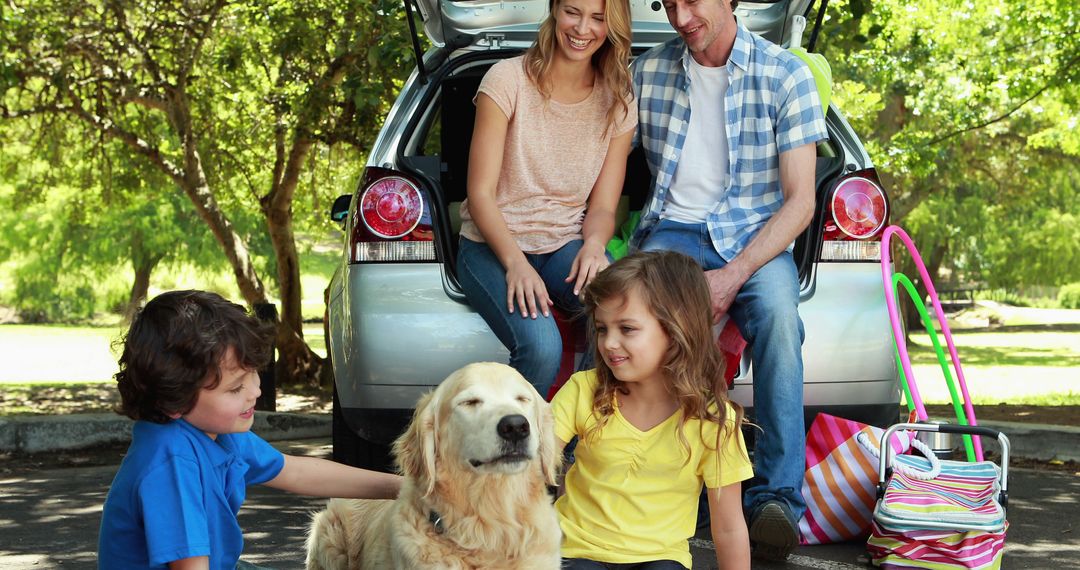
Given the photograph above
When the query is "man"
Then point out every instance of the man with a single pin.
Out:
(729, 123)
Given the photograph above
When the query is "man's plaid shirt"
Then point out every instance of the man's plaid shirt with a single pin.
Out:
(772, 106)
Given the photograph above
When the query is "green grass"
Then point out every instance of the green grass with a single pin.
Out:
(1034, 368)
(989, 349)
(319, 258)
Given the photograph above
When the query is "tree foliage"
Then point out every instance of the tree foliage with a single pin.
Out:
(971, 112)
(232, 102)
(75, 214)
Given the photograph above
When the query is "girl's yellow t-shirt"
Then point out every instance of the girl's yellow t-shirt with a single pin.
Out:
(631, 496)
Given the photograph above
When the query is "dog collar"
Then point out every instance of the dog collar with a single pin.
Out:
(436, 521)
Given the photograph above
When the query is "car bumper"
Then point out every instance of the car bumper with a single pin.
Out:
(391, 343)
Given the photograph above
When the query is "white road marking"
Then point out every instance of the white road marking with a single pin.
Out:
(795, 559)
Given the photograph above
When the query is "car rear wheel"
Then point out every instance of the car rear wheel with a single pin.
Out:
(352, 449)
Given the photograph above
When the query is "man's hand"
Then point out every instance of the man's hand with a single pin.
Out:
(724, 285)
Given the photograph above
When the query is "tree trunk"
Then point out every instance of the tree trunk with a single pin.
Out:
(279, 226)
(192, 179)
(912, 320)
(141, 285)
(298, 362)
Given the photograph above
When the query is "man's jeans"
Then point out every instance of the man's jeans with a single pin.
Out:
(766, 312)
(535, 345)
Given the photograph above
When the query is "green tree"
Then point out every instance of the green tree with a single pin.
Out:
(227, 100)
(971, 111)
(71, 216)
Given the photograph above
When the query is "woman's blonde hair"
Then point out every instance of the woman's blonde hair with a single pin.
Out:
(673, 287)
(611, 61)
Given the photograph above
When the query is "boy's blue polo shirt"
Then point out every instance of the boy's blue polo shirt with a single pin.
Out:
(177, 495)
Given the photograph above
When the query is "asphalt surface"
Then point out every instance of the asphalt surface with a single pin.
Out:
(50, 519)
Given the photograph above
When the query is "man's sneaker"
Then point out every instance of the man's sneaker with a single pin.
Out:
(773, 531)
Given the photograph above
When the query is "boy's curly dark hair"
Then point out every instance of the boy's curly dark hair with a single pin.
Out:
(175, 343)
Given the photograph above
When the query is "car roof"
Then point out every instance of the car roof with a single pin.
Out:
(513, 23)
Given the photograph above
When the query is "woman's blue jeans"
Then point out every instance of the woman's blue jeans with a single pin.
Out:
(766, 310)
(535, 345)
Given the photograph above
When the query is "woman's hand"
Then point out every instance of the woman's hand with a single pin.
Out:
(525, 287)
(590, 260)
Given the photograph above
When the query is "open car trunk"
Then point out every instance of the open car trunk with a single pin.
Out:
(442, 158)
(512, 24)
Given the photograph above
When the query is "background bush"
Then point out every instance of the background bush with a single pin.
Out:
(1069, 296)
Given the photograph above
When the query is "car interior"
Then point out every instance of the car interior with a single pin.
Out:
(440, 154)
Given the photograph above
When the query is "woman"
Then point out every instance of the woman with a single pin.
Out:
(549, 147)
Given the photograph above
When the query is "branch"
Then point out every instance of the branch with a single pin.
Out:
(314, 109)
(1006, 114)
(334, 137)
(109, 128)
(200, 38)
(148, 61)
(6, 113)
(279, 155)
(283, 193)
(143, 97)
(243, 171)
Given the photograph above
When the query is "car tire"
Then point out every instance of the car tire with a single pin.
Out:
(352, 449)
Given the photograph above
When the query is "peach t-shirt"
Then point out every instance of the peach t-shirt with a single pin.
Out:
(552, 158)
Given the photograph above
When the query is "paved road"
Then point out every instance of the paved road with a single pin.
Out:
(50, 519)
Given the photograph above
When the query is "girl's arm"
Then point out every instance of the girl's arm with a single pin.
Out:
(599, 224)
(729, 533)
(523, 285)
(321, 478)
(193, 563)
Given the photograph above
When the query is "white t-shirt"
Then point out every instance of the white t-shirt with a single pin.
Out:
(701, 175)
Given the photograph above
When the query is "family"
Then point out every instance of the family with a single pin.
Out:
(729, 124)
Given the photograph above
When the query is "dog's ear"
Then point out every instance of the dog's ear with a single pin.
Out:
(415, 449)
(550, 456)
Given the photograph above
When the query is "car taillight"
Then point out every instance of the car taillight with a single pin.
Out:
(855, 217)
(392, 221)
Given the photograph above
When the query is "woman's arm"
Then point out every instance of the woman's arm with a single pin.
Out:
(321, 478)
(729, 533)
(523, 285)
(599, 224)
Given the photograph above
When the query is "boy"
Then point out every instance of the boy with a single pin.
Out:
(188, 377)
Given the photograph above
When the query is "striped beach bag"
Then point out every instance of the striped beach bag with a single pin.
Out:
(938, 514)
(841, 478)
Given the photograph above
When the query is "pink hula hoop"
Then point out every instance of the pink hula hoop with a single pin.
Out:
(898, 331)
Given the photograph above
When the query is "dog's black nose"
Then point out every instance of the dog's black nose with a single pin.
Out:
(513, 428)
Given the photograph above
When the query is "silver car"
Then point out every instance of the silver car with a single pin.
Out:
(398, 320)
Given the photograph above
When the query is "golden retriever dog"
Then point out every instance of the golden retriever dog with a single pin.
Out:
(477, 459)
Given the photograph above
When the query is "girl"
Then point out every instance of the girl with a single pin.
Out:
(546, 168)
(654, 423)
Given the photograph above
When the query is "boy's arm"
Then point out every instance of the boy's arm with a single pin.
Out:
(193, 563)
(728, 527)
(321, 478)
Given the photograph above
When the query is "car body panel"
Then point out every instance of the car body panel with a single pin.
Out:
(398, 329)
(396, 342)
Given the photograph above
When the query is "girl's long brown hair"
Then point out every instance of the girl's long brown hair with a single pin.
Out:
(673, 287)
(610, 61)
